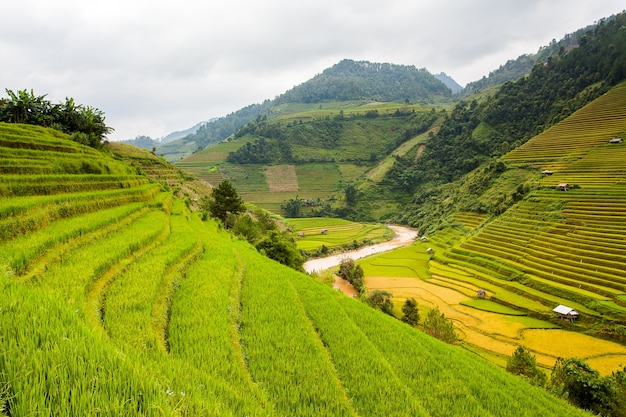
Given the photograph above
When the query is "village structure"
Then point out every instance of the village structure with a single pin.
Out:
(566, 313)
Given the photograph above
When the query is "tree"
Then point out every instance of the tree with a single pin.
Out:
(282, 248)
(410, 313)
(381, 300)
(351, 195)
(438, 326)
(522, 362)
(583, 386)
(225, 201)
(352, 273)
(292, 207)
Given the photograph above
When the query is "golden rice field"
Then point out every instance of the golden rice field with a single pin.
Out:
(553, 247)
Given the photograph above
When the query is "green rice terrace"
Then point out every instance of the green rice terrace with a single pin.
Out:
(119, 300)
(319, 169)
(563, 243)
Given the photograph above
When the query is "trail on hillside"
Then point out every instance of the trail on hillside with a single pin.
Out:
(404, 236)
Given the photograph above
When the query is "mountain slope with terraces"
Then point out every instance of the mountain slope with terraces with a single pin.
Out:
(119, 300)
(565, 241)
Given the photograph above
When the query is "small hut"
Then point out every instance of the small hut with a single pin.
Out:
(566, 313)
(424, 239)
(324, 231)
(430, 250)
(546, 172)
(615, 140)
(481, 293)
(563, 187)
(300, 234)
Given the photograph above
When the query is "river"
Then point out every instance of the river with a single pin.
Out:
(403, 237)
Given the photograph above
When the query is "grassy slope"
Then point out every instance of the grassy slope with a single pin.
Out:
(331, 170)
(142, 309)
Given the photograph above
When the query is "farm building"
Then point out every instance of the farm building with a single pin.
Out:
(430, 250)
(615, 140)
(562, 187)
(565, 312)
(546, 172)
(481, 293)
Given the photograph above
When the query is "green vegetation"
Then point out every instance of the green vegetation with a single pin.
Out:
(224, 202)
(84, 123)
(353, 273)
(410, 312)
(522, 362)
(439, 327)
(111, 310)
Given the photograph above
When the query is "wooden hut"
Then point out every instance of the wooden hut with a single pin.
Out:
(481, 293)
(563, 187)
(615, 140)
(566, 313)
(546, 172)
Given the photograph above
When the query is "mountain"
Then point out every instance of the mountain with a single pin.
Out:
(347, 80)
(514, 69)
(118, 298)
(146, 142)
(449, 82)
(363, 80)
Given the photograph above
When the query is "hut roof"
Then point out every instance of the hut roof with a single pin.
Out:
(565, 310)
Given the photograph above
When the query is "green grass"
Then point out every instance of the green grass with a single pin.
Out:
(488, 305)
(142, 309)
(339, 232)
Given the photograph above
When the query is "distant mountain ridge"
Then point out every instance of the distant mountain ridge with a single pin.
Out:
(344, 81)
(455, 87)
(146, 142)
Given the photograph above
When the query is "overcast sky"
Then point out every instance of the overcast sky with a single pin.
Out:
(156, 66)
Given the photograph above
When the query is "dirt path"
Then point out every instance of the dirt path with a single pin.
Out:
(404, 236)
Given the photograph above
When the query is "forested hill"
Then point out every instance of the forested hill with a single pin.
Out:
(514, 69)
(347, 80)
(357, 80)
(477, 131)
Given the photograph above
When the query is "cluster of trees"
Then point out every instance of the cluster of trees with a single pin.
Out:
(352, 273)
(86, 124)
(356, 80)
(574, 380)
(257, 226)
(436, 324)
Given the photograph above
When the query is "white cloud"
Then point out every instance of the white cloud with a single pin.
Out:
(158, 66)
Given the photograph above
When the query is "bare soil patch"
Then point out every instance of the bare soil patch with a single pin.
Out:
(281, 178)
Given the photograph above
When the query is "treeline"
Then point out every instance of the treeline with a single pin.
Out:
(514, 69)
(357, 80)
(575, 381)
(85, 124)
(476, 132)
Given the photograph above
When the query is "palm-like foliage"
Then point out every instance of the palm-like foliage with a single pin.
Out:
(86, 124)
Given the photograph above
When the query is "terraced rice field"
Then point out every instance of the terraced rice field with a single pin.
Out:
(554, 247)
(313, 233)
(117, 300)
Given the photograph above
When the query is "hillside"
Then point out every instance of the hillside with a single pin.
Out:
(346, 81)
(315, 153)
(117, 300)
